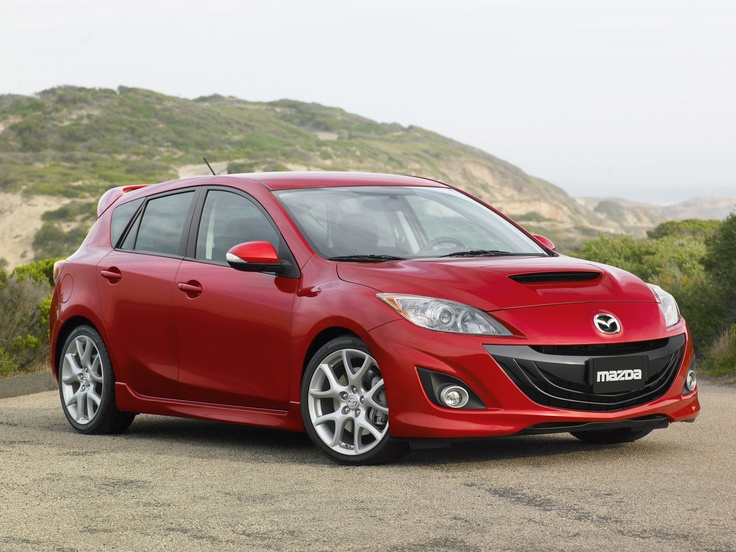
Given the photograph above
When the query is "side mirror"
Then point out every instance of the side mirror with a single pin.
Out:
(544, 242)
(255, 256)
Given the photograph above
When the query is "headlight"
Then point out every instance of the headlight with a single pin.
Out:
(668, 305)
(443, 316)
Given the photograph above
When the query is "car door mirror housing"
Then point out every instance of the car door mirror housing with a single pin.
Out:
(255, 256)
(544, 242)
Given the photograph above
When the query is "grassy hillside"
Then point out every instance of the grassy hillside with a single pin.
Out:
(74, 143)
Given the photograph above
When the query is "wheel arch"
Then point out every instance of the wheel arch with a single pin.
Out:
(64, 332)
(322, 338)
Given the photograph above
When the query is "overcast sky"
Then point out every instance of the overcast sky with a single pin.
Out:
(629, 98)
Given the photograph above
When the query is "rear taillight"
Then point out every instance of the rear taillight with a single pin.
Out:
(59, 267)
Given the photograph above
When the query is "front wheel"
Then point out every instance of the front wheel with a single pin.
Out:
(87, 385)
(344, 407)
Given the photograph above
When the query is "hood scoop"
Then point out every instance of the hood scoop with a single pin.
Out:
(555, 277)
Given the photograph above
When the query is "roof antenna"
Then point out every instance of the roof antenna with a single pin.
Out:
(210, 167)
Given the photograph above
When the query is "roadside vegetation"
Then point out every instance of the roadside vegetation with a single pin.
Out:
(692, 259)
(25, 300)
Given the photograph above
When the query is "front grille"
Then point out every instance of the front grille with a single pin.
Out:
(557, 376)
(602, 349)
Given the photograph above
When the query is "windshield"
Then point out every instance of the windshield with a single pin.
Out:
(376, 223)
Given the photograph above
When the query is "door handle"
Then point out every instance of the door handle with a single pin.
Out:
(191, 288)
(112, 274)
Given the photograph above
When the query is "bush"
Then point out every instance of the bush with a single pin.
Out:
(695, 228)
(24, 317)
(52, 240)
(720, 264)
(720, 357)
(647, 258)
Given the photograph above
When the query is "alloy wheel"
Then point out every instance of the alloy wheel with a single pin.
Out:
(347, 402)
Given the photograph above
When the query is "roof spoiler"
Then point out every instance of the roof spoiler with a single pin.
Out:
(112, 195)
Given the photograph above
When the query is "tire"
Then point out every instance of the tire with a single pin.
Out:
(344, 408)
(87, 385)
(611, 437)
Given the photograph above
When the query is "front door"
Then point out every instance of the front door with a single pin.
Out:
(233, 327)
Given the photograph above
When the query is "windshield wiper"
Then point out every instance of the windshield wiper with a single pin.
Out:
(479, 253)
(366, 258)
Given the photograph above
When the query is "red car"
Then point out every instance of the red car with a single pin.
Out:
(373, 311)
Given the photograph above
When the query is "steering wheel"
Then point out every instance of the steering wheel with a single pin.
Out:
(431, 244)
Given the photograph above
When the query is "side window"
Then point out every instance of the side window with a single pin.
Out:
(121, 217)
(161, 226)
(227, 220)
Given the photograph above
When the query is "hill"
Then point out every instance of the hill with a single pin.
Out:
(60, 149)
(636, 218)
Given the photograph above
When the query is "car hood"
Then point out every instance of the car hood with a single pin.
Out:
(502, 282)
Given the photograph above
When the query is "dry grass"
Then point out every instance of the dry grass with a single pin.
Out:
(720, 357)
(39, 368)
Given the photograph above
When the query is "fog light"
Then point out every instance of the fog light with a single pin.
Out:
(454, 396)
(691, 381)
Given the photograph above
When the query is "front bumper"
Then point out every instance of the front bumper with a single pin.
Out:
(520, 402)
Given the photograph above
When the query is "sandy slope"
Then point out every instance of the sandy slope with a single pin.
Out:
(20, 219)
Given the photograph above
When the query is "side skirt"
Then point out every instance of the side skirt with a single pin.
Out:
(129, 401)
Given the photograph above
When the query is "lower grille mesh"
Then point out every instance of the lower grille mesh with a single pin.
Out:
(560, 381)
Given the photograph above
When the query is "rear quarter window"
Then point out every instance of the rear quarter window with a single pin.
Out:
(121, 218)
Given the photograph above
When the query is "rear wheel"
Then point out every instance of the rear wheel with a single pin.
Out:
(87, 385)
(611, 437)
(344, 407)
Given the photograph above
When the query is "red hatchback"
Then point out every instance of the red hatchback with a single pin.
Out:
(372, 311)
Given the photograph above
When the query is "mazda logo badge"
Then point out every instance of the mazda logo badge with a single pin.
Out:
(607, 323)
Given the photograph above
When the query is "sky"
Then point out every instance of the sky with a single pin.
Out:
(625, 98)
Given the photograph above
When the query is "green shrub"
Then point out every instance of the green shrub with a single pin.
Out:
(720, 357)
(531, 216)
(7, 363)
(265, 165)
(695, 228)
(720, 264)
(76, 210)
(24, 317)
(647, 258)
(52, 241)
(39, 271)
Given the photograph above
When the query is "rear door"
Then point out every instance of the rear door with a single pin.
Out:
(136, 286)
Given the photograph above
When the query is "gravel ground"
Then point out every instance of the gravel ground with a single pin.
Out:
(175, 484)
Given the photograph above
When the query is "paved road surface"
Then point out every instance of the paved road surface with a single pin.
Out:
(172, 484)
